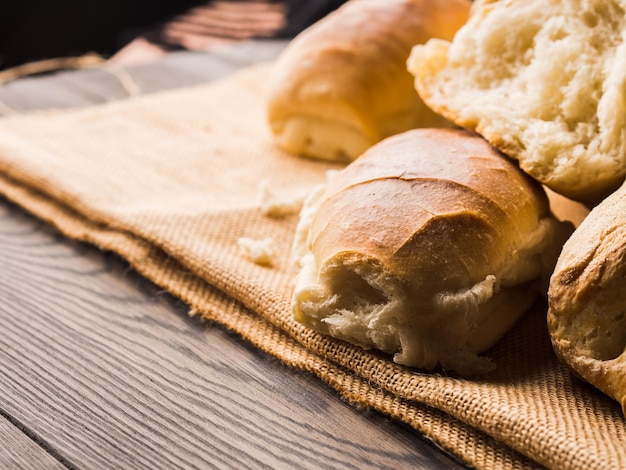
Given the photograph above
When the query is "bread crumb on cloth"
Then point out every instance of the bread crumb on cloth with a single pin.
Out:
(262, 252)
(278, 205)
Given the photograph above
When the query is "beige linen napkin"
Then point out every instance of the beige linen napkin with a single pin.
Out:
(170, 182)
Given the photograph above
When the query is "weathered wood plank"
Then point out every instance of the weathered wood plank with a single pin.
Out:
(20, 451)
(109, 370)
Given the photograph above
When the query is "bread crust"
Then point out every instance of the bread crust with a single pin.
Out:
(587, 299)
(342, 84)
(429, 247)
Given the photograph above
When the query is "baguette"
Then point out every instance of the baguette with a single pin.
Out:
(587, 299)
(428, 247)
(342, 84)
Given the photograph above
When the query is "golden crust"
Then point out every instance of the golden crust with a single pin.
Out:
(438, 188)
(587, 299)
(342, 84)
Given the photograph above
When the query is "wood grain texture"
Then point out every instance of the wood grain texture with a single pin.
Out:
(22, 451)
(101, 369)
(107, 369)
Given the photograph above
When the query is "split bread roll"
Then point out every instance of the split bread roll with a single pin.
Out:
(587, 299)
(342, 84)
(429, 247)
(542, 80)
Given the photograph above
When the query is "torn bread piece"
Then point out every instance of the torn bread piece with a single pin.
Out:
(428, 247)
(544, 81)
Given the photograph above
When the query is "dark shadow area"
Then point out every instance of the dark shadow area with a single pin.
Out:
(39, 29)
(33, 30)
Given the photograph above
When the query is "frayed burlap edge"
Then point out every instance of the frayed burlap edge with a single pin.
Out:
(471, 446)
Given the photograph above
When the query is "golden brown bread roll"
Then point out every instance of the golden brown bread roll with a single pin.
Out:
(428, 247)
(542, 80)
(342, 84)
(587, 299)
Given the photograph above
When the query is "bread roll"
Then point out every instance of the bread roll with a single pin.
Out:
(342, 84)
(542, 80)
(428, 247)
(587, 299)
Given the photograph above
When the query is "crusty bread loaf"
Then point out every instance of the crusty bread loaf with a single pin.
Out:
(342, 84)
(587, 299)
(542, 80)
(428, 247)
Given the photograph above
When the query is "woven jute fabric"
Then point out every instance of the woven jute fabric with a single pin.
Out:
(171, 181)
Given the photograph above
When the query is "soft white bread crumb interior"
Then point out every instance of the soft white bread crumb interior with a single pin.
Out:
(542, 80)
(429, 247)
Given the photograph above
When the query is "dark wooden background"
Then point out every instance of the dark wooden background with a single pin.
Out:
(99, 368)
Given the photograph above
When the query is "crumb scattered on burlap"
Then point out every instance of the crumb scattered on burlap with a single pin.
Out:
(262, 252)
(276, 205)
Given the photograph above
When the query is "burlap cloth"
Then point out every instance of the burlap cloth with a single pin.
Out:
(170, 182)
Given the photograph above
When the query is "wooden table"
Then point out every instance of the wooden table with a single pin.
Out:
(99, 368)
